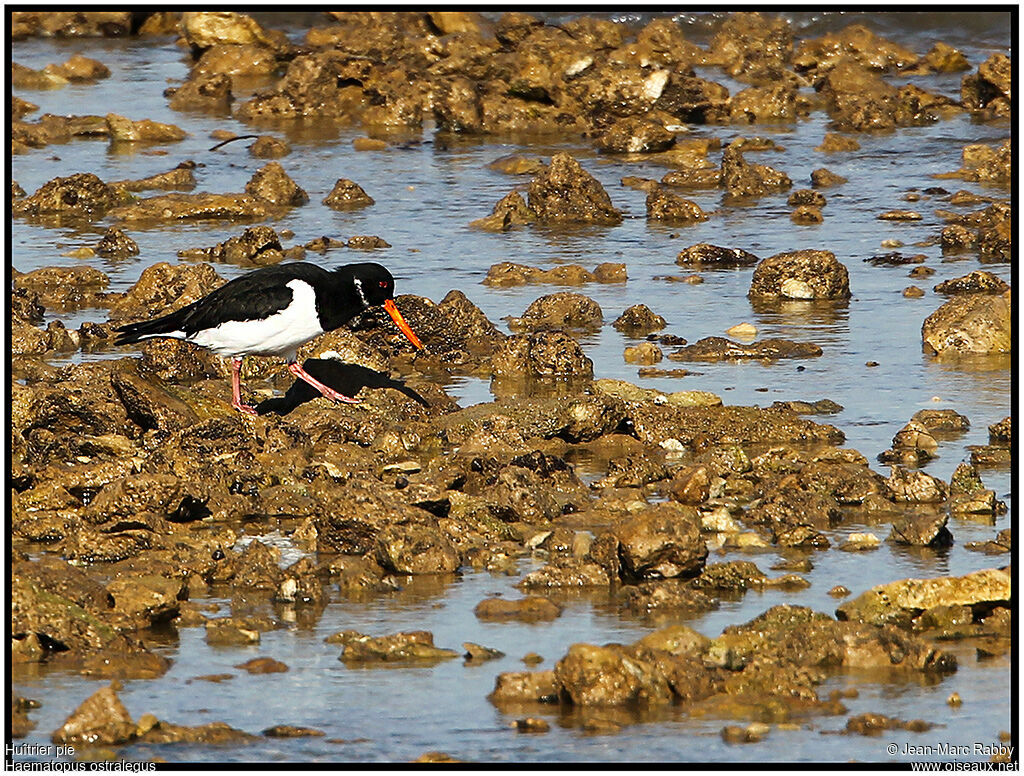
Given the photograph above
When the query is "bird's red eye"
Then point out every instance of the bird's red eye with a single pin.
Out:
(383, 284)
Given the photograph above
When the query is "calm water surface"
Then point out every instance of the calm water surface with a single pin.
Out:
(427, 191)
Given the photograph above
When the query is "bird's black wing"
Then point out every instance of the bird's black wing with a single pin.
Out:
(256, 295)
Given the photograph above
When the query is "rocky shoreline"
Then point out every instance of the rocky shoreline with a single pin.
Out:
(136, 490)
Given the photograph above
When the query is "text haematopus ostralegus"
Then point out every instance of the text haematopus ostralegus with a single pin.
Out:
(272, 311)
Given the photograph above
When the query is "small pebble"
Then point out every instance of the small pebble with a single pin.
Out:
(369, 144)
(954, 699)
(84, 252)
(912, 292)
(899, 215)
(839, 591)
(742, 330)
(532, 659)
(532, 725)
(870, 363)
(601, 726)
(892, 243)
(921, 272)
(693, 280)
(802, 565)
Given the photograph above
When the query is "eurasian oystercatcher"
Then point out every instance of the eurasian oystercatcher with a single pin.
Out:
(273, 310)
(344, 378)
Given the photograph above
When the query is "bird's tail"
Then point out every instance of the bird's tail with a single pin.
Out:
(168, 325)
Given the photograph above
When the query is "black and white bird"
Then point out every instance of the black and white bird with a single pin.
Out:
(348, 379)
(272, 311)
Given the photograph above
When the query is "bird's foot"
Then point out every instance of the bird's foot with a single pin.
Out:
(330, 393)
(238, 405)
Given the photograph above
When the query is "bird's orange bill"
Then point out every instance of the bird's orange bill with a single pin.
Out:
(396, 316)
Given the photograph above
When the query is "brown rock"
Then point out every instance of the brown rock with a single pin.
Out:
(524, 686)
(82, 194)
(101, 719)
(639, 320)
(663, 205)
(915, 487)
(693, 100)
(209, 28)
(603, 676)
(644, 353)
(806, 274)
(989, 90)
(977, 323)
(116, 244)
(79, 69)
(565, 192)
(148, 599)
(234, 59)
(943, 58)
(977, 282)
(635, 135)
(822, 178)
(898, 602)
(416, 549)
(806, 197)
(272, 184)
(367, 242)
(691, 485)
(163, 288)
(899, 215)
(269, 147)
(745, 179)
(712, 255)
(834, 142)
(263, 665)
(560, 310)
(922, 530)
(566, 573)
(145, 131)
(661, 542)
(203, 92)
(806, 214)
(529, 609)
(751, 47)
(180, 207)
(291, 731)
(347, 195)
(410, 646)
(722, 349)
(369, 144)
(511, 210)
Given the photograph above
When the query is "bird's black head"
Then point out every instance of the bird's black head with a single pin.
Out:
(373, 285)
(370, 283)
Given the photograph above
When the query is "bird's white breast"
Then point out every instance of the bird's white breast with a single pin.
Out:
(278, 335)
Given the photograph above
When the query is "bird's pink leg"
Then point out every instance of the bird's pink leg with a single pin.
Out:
(236, 388)
(325, 390)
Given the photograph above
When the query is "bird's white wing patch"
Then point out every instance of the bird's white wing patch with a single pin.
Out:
(278, 335)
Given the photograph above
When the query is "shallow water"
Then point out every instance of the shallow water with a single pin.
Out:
(427, 191)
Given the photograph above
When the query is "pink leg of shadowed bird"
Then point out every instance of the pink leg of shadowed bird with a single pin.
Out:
(236, 388)
(327, 391)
